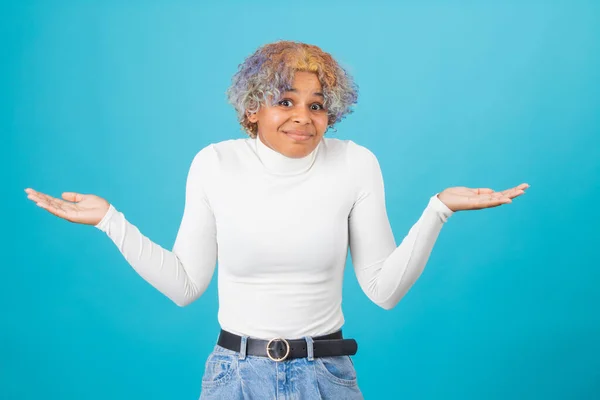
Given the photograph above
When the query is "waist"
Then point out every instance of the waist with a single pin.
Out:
(262, 316)
(280, 349)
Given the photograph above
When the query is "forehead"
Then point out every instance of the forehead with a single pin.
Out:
(306, 82)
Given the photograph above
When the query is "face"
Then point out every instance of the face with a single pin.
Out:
(296, 124)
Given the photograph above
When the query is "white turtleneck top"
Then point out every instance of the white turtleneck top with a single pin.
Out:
(280, 229)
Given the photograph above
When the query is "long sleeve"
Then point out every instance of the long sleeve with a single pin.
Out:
(386, 272)
(184, 273)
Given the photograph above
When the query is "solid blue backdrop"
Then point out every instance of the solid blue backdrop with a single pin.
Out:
(116, 97)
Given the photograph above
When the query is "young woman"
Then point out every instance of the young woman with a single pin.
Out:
(278, 210)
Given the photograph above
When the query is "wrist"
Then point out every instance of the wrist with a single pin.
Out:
(103, 222)
(442, 196)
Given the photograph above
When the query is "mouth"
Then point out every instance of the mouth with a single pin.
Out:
(298, 135)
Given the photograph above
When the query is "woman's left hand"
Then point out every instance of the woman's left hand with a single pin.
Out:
(462, 198)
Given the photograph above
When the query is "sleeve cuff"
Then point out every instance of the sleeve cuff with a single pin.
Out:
(103, 224)
(442, 210)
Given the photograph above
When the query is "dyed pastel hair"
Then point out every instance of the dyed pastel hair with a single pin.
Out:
(269, 72)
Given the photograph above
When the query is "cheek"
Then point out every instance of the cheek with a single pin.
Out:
(275, 119)
(321, 123)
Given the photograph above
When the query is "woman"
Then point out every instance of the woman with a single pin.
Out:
(278, 210)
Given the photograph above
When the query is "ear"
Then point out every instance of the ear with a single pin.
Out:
(252, 117)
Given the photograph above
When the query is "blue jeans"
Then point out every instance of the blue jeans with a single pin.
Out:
(230, 375)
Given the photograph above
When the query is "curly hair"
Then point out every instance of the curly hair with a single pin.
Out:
(269, 72)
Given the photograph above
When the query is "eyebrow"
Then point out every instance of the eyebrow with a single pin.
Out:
(314, 94)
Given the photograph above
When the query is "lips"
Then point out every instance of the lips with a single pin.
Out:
(298, 136)
(297, 133)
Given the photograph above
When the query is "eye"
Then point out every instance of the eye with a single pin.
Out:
(317, 107)
(285, 103)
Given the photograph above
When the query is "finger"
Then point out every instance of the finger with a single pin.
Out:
(72, 196)
(495, 197)
(60, 208)
(484, 190)
(35, 197)
(33, 191)
(65, 206)
(51, 203)
(514, 192)
(30, 191)
(41, 196)
(54, 206)
(520, 187)
(492, 202)
(54, 210)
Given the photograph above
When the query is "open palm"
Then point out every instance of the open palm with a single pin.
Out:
(76, 207)
(463, 198)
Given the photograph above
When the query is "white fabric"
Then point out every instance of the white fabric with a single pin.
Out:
(280, 229)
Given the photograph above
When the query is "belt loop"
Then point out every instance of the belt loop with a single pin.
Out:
(309, 348)
(243, 346)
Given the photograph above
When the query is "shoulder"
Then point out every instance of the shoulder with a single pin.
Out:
(231, 145)
(210, 160)
(219, 151)
(356, 155)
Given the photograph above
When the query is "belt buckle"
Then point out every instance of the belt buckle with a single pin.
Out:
(287, 353)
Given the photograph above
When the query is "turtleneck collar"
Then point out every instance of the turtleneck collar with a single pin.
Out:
(278, 164)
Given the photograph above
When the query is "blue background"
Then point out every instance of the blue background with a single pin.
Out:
(115, 98)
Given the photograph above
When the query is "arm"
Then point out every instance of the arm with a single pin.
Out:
(386, 272)
(184, 273)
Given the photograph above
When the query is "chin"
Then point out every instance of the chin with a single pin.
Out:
(290, 147)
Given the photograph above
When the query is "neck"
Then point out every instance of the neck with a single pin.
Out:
(279, 164)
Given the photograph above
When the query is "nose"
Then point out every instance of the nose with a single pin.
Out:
(301, 116)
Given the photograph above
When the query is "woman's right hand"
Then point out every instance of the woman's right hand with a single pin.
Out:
(85, 209)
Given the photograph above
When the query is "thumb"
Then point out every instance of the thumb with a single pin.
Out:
(72, 196)
(484, 191)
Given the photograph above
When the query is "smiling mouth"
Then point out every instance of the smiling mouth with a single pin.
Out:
(298, 136)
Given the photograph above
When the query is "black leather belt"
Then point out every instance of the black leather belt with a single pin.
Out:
(281, 349)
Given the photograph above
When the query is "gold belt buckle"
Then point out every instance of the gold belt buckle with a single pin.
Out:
(287, 353)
